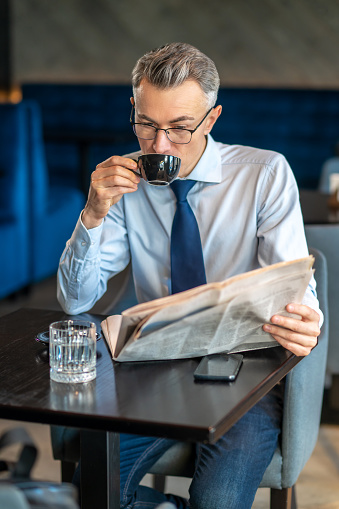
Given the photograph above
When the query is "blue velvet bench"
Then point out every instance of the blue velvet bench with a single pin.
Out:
(301, 124)
(37, 217)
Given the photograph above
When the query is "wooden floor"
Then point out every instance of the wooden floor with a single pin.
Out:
(318, 484)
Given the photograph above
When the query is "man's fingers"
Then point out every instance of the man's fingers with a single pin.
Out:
(124, 162)
(119, 161)
(305, 312)
(301, 350)
(115, 181)
(112, 175)
(310, 328)
(288, 335)
(299, 336)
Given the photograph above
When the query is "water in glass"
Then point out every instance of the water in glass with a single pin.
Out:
(72, 351)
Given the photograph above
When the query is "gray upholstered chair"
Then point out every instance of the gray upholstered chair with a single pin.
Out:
(301, 418)
(326, 238)
(12, 498)
(166, 505)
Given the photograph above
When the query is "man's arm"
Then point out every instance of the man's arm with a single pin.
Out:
(85, 266)
(281, 237)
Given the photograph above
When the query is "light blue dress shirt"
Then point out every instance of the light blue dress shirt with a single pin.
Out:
(247, 207)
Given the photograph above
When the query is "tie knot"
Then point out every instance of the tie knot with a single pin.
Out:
(181, 188)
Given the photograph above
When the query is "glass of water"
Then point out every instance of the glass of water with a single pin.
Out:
(72, 351)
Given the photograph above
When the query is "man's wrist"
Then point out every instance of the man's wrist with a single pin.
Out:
(88, 221)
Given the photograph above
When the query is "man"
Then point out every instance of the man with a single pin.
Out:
(246, 204)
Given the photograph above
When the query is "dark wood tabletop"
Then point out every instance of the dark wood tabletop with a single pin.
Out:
(315, 208)
(148, 398)
(153, 398)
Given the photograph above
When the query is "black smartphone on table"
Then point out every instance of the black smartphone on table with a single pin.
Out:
(219, 367)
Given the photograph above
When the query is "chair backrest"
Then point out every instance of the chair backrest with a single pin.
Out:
(13, 159)
(53, 210)
(38, 170)
(326, 239)
(304, 393)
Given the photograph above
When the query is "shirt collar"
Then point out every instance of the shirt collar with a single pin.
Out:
(208, 168)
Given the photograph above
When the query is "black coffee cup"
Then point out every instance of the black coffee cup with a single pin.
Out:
(159, 169)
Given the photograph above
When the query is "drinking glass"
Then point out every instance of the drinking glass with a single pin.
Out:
(72, 351)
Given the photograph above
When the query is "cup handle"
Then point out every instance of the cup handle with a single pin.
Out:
(135, 172)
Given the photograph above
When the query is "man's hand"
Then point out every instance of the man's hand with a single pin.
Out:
(298, 336)
(109, 182)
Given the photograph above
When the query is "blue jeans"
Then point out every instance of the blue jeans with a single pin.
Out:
(227, 473)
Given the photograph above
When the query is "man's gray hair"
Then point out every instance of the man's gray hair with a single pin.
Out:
(172, 64)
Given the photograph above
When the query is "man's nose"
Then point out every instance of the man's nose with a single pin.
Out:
(161, 144)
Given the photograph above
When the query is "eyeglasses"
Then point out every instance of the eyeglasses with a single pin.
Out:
(174, 134)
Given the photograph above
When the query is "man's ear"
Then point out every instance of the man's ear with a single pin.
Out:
(132, 101)
(213, 117)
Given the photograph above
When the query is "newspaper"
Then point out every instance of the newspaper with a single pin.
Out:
(216, 317)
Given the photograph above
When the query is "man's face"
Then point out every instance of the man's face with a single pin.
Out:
(183, 106)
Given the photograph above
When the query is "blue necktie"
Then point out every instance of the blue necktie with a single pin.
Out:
(187, 262)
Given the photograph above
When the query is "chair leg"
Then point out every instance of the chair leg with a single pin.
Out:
(159, 482)
(67, 471)
(284, 498)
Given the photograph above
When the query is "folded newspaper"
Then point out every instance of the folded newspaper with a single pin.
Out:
(216, 317)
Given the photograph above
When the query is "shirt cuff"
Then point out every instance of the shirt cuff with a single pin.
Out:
(86, 243)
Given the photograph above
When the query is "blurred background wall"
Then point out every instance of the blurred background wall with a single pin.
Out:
(288, 43)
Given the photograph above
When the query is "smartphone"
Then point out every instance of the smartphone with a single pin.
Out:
(219, 367)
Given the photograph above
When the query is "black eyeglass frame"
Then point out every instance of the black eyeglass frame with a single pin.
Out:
(191, 131)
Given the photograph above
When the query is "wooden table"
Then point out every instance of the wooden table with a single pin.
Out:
(155, 399)
(315, 209)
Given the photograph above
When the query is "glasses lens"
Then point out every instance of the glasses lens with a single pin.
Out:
(148, 132)
(179, 135)
(144, 131)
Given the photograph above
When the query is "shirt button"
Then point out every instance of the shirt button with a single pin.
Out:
(83, 243)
